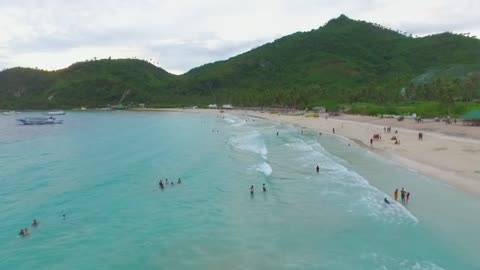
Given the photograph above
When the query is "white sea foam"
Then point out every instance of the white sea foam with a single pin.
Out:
(265, 168)
(369, 197)
(251, 142)
(386, 262)
(300, 145)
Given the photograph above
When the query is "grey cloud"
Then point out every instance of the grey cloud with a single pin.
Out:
(186, 55)
(433, 28)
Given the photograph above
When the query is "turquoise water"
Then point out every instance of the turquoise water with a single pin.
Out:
(102, 171)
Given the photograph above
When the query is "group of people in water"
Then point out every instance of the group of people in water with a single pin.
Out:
(24, 232)
(162, 185)
(252, 189)
(404, 196)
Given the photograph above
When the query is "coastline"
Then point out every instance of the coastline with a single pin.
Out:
(452, 159)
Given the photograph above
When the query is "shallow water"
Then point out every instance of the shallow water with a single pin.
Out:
(102, 171)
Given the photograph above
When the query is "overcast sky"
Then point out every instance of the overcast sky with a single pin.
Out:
(181, 34)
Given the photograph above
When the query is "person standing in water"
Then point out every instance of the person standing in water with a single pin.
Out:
(24, 232)
(251, 189)
(35, 223)
(179, 181)
(264, 188)
(166, 182)
(161, 184)
(395, 194)
(318, 169)
(277, 133)
(402, 194)
(408, 196)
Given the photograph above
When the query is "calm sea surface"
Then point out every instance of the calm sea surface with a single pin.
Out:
(102, 170)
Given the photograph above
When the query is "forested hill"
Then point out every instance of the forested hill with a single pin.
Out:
(343, 61)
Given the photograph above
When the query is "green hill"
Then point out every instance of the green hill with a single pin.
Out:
(344, 61)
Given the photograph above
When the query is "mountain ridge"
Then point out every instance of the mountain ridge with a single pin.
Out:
(344, 60)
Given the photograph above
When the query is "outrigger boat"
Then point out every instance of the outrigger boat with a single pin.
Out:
(39, 121)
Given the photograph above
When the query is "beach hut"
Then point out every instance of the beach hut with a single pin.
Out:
(472, 118)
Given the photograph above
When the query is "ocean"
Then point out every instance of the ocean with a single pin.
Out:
(102, 169)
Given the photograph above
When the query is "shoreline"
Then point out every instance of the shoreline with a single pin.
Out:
(445, 154)
(454, 160)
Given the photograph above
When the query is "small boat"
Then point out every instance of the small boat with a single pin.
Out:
(55, 113)
(39, 121)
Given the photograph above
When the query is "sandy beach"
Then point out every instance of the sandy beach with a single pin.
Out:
(450, 153)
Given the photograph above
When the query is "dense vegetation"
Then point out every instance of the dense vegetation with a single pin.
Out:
(342, 63)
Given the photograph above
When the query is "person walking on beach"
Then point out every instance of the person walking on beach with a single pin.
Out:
(408, 196)
(402, 194)
(395, 194)
(371, 142)
(264, 188)
(333, 130)
(318, 169)
(420, 136)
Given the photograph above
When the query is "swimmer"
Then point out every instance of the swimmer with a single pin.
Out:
(386, 201)
(35, 223)
(179, 181)
(22, 232)
(402, 194)
(171, 183)
(251, 189)
(64, 216)
(264, 188)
